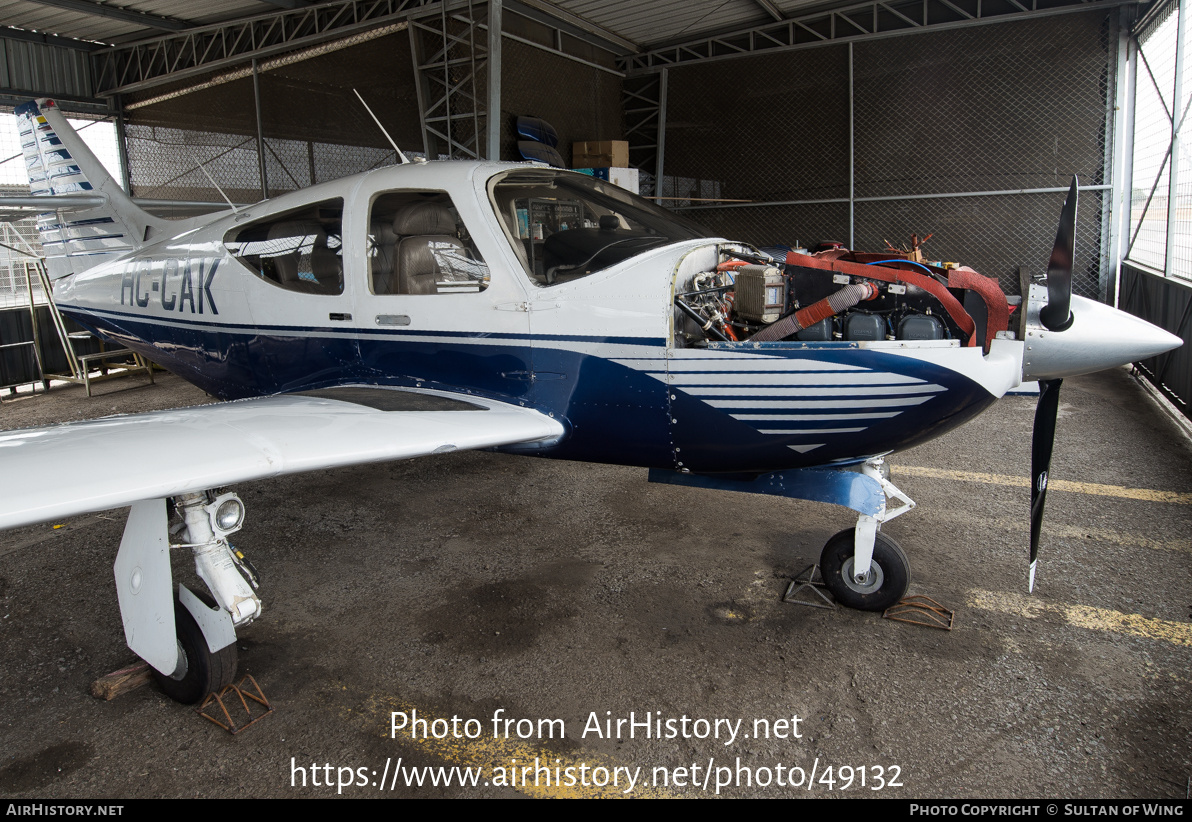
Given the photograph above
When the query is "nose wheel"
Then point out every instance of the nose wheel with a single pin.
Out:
(883, 585)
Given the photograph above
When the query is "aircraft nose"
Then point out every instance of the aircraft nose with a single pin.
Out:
(1100, 337)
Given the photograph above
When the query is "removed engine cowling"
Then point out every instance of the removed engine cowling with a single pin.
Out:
(840, 295)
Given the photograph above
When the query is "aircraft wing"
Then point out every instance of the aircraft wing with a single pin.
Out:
(75, 468)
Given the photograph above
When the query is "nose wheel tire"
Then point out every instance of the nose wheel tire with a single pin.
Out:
(886, 583)
(204, 671)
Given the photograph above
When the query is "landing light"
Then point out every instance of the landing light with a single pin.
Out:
(227, 513)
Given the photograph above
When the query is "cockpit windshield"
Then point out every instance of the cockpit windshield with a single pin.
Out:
(564, 225)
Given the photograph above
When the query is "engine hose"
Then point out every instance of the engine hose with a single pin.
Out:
(829, 306)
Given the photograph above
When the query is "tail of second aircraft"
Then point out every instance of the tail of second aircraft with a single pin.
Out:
(90, 219)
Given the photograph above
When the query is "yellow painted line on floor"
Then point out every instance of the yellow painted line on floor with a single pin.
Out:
(1084, 616)
(501, 761)
(1081, 533)
(1146, 494)
(1076, 532)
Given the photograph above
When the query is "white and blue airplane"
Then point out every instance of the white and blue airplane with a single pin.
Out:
(431, 307)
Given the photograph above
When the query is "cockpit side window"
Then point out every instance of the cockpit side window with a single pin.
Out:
(299, 250)
(564, 226)
(418, 244)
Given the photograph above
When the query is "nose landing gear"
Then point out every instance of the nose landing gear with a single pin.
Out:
(884, 584)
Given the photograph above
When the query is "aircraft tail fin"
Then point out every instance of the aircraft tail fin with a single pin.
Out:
(93, 219)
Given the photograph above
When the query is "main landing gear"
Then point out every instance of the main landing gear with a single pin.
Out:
(199, 670)
(863, 568)
(188, 638)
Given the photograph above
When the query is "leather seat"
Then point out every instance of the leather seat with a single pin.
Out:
(302, 259)
(428, 249)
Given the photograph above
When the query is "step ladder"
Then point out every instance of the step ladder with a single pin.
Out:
(82, 365)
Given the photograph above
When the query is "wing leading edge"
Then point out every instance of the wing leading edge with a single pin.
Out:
(116, 461)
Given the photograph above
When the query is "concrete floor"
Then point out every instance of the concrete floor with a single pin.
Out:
(475, 584)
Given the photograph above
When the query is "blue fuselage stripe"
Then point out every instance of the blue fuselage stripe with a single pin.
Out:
(615, 412)
(338, 331)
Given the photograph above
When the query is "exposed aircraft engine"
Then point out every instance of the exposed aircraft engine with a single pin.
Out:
(839, 295)
(760, 293)
(825, 309)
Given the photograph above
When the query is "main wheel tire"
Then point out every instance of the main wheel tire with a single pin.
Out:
(889, 573)
(205, 671)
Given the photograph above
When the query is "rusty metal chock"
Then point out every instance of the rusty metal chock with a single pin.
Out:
(246, 696)
(921, 610)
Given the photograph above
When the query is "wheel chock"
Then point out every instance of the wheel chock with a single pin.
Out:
(260, 705)
(921, 610)
(807, 588)
(112, 685)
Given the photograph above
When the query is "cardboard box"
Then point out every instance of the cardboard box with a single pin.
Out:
(626, 178)
(600, 154)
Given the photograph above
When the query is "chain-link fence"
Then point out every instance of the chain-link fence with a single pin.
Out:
(771, 128)
(581, 102)
(997, 235)
(936, 121)
(313, 127)
(1010, 106)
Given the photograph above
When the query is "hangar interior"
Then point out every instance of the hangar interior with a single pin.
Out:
(774, 122)
(769, 122)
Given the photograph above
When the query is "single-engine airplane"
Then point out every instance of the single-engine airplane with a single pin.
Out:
(430, 307)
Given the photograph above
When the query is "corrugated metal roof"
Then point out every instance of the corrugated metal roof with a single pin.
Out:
(647, 24)
(34, 67)
(665, 21)
(80, 25)
(47, 20)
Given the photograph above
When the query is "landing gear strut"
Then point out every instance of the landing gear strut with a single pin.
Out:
(188, 638)
(863, 568)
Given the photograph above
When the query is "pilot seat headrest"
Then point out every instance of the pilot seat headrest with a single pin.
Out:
(424, 218)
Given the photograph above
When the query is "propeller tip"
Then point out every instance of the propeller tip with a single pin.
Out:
(1030, 586)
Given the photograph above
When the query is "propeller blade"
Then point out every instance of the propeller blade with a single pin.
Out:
(1057, 314)
(1042, 442)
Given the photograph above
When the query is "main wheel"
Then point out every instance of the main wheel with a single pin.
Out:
(888, 578)
(204, 671)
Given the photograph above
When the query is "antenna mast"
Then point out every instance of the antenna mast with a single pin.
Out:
(403, 157)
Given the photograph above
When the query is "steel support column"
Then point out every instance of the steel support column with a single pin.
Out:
(449, 51)
(1177, 123)
(493, 124)
(1120, 160)
(256, 97)
(659, 168)
(122, 146)
(852, 155)
(643, 100)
